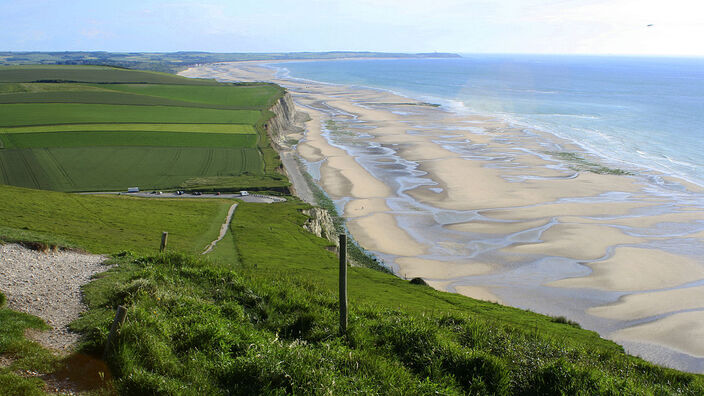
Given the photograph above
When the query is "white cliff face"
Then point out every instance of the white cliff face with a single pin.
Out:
(320, 223)
(281, 124)
(283, 121)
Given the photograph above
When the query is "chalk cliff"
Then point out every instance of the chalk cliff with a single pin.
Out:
(283, 120)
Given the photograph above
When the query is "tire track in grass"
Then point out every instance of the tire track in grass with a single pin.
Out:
(173, 162)
(3, 168)
(29, 169)
(223, 229)
(62, 170)
(208, 162)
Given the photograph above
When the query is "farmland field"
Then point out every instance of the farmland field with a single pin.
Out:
(245, 97)
(70, 113)
(91, 74)
(80, 128)
(126, 138)
(210, 128)
(117, 167)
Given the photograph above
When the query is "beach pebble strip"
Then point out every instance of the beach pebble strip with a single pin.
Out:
(48, 285)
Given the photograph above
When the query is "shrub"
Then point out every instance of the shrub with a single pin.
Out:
(564, 320)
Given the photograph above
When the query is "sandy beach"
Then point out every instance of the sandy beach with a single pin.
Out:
(480, 207)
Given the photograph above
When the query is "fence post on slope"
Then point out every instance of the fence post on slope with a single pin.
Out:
(120, 317)
(343, 284)
(164, 238)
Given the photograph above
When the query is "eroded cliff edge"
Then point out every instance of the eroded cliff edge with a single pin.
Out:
(283, 122)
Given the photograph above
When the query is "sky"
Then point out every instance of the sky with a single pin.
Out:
(626, 27)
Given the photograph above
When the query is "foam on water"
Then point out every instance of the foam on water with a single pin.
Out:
(641, 112)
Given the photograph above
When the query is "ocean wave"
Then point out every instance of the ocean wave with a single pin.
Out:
(610, 147)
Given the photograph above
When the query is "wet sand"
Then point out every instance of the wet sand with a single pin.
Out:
(477, 206)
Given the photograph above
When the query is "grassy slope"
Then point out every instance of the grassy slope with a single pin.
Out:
(26, 355)
(265, 322)
(108, 224)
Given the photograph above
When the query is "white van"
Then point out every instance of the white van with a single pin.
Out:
(243, 193)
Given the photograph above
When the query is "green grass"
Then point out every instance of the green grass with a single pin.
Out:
(260, 97)
(226, 96)
(266, 323)
(208, 128)
(17, 88)
(109, 224)
(71, 113)
(115, 168)
(105, 97)
(127, 138)
(91, 74)
(22, 354)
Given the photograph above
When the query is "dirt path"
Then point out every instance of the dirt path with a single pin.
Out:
(223, 229)
(48, 285)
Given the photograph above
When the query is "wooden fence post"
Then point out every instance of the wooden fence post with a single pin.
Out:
(343, 284)
(164, 238)
(120, 317)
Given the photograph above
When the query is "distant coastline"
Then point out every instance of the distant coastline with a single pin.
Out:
(173, 62)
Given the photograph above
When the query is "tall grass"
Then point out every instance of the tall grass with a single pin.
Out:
(196, 327)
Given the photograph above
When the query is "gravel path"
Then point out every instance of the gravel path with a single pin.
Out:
(47, 285)
(223, 229)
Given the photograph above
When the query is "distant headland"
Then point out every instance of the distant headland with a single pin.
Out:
(172, 62)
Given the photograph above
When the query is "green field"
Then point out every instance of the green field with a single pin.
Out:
(127, 138)
(164, 132)
(244, 97)
(109, 223)
(64, 113)
(253, 97)
(209, 128)
(115, 168)
(91, 74)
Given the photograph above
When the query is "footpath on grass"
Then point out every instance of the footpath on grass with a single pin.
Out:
(223, 229)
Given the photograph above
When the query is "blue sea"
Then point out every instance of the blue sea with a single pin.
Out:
(637, 111)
